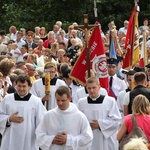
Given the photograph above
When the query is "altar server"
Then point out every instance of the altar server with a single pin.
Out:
(38, 87)
(103, 114)
(20, 113)
(64, 127)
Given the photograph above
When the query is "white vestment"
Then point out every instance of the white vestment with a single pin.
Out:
(108, 117)
(20, 136)
(73, 89)
(80, 93)
(71, 121)
(38, 89)
(119, 101)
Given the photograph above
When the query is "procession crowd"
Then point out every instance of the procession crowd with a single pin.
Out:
(72, 116)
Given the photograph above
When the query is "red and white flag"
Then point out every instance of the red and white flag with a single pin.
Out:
(97, 61)
(132, 40)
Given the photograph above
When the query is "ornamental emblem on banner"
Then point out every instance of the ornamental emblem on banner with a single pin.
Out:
(100, 66)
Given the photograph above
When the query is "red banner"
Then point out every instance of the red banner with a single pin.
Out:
(97, 61)
(132, 41)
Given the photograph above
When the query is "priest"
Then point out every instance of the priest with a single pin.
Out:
(103, 114)
(20, 113)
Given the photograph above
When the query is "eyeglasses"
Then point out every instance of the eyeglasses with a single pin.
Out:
(52, 72)
(70, 37)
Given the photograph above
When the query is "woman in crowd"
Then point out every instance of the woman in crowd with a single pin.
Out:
(50, 40)
(6, 68)
(141, 110)
(43, 35)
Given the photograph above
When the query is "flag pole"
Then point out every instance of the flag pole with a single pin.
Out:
(145, 49)
(133, 36)
(95, 11)
(87, 43)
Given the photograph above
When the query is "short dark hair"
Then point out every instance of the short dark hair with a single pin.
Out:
(26, 46)
(140, 77)
(145, 19)
(13, 77)
(23, 78)
(63, 90)
(62, 43)
(19, 32)
(131, 73)
(2, 32)
(63, 67)
(20, 64)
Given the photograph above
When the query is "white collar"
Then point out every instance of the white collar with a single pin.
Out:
(94, 99)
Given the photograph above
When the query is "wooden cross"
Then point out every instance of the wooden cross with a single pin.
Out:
(86, 28)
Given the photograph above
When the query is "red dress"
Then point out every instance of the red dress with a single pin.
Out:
(48, 42)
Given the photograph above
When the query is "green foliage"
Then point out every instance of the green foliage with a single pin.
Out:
(31, 13)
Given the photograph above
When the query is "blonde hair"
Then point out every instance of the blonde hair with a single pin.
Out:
(136, 144)
(93, 80)
(54, 47)
(61, 51)
(73, 40)
(14, 44)
(141, 105)
(51, 32)
(50, 65)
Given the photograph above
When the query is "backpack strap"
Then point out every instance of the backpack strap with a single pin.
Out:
(133, 121)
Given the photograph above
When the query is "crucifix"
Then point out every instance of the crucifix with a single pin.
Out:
(86, 28)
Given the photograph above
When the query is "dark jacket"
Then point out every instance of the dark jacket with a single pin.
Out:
(140, 89)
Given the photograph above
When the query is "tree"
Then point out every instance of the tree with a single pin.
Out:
(31, 13)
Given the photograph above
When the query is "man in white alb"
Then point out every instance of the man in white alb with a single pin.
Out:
(64, 127)
(103, 114)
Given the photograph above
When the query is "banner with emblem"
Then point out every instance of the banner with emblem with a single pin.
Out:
(132, 40)
(97, 61)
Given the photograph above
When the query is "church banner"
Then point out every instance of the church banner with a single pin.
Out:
(97, 61)
(132, 40)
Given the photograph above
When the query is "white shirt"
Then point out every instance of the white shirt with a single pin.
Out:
(148, 44)
(123, 29)
(118, 85)
(13, 36)
(20, 43)
(126, 99)
(13, 53)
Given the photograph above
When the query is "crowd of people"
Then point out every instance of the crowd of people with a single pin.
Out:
(72, 116)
